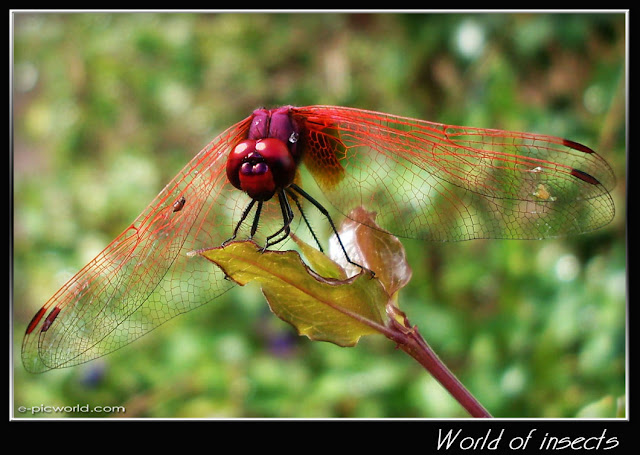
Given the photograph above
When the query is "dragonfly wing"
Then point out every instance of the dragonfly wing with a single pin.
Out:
(445, 183)
(145, 276)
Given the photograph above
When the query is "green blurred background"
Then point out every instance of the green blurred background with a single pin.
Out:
(109, 107)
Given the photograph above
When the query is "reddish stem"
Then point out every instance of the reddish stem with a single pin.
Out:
(410, 341)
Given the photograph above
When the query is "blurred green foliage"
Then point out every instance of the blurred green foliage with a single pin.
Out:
(108, 107)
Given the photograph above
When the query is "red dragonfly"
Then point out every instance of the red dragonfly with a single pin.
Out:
(425, 180)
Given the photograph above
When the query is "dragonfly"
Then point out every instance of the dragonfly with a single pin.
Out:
(425, 180)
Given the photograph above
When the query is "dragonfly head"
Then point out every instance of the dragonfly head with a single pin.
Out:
(261, 167)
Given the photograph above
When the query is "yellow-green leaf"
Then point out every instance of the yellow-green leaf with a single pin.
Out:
(327, 309)
(320, 262)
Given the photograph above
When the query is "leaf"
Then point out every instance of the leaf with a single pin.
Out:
(320, 263)
(326, 309)
(370, 246)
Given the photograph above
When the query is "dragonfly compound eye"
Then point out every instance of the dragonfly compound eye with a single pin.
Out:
(261, 167)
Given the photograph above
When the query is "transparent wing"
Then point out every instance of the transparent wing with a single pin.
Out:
(144, 277)
(425, 180)
(445, 183)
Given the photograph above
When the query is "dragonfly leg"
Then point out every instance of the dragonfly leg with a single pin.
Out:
(293, 196)
(242, 218)
(287, 217)
(324, 211)
(256, 219)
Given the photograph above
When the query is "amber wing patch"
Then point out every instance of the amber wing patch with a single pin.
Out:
(322, 151)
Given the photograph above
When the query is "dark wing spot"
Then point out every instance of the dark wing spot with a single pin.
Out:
(50, 318)
(35, 320)
(585, 177)
(576, 146)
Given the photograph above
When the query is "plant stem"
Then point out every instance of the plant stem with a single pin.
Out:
(410, 341)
